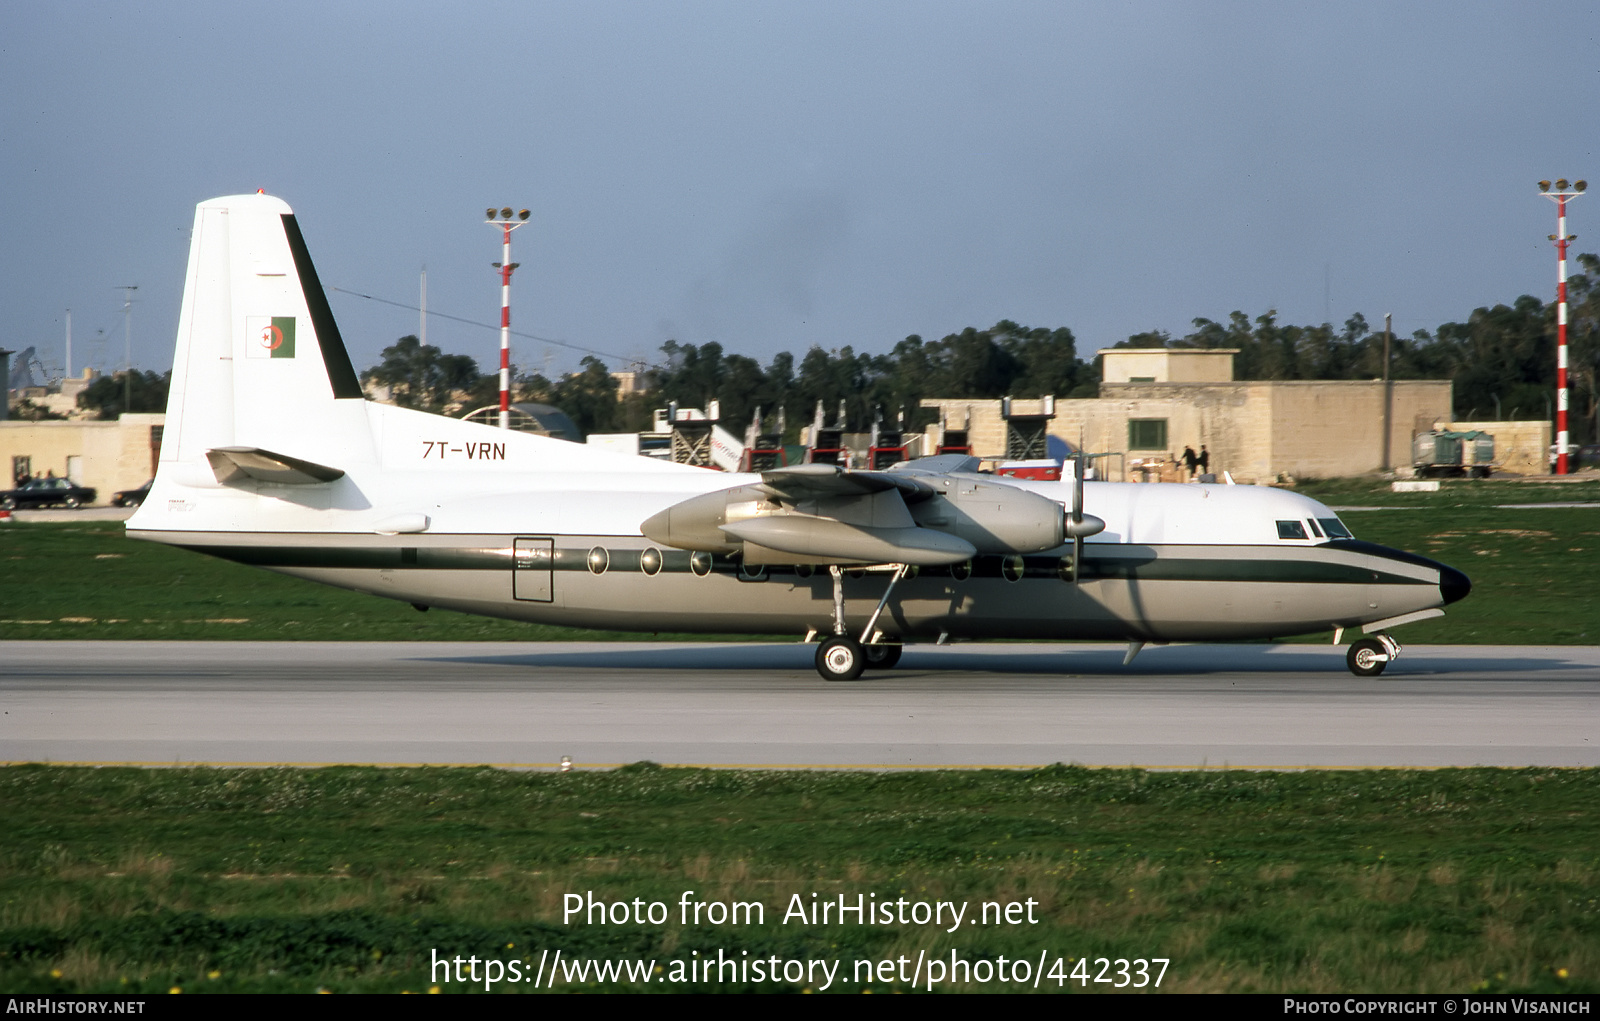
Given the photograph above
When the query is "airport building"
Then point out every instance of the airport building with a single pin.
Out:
(109, 456)
(1153, 402)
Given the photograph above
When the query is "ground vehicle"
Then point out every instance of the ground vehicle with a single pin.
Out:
(47, 493)
(132, 497)
(1453, 454)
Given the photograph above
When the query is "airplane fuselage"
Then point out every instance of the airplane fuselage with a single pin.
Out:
(1175, 563)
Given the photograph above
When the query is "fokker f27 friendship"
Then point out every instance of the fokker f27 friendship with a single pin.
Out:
(273, 457)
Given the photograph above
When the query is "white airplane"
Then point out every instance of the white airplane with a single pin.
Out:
(272, 457)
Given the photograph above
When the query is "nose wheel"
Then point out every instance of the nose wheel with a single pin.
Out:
(1369, 656)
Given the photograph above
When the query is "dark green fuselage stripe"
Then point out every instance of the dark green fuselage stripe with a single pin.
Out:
(1148, 567)
(436, 558)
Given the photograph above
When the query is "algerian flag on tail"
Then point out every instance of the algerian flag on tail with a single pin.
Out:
(269, 337)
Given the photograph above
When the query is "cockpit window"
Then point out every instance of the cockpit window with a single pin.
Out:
(1335, 528)
(1291, 530)
(1314, 529)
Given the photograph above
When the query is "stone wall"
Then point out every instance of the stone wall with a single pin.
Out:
(1257, 431)
(115, 455)
(1520, 448)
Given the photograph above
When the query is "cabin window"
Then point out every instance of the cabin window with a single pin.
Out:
(961, 571)
(1292, 530)
(650, 561)
(1013, 566)
(1066, 568)
(599, 560)
(1147, 434)
(1335, 528)
(700, 564)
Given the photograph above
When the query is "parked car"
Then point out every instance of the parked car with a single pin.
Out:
(47, 493)
(132, 497)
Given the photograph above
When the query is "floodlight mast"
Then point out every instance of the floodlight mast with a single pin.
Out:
(1563, 192)
(506, 225)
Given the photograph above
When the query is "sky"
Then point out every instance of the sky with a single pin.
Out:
(774, 176)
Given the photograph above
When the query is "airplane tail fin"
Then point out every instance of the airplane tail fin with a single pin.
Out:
(259, 360)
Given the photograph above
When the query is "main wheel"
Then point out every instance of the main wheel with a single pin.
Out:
(884, 656)
(1367, 658)
(840, 658)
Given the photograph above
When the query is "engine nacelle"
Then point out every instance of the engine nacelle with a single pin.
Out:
(994, 517)
(697, 522)
(948, 519)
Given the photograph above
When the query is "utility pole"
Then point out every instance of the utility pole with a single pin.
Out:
(69, 344)
(422, 313)
(1388, 394)
(1560, 196)
(505, 266)
(127, 343)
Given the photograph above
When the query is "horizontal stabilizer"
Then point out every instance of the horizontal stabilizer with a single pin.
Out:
(834, 540)
(233, 465)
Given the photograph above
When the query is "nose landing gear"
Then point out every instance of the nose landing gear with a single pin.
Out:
(1369, 656)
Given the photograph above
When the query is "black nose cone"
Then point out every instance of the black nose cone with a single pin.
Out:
(1453, 585)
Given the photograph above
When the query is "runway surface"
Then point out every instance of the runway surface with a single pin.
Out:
(529, 704)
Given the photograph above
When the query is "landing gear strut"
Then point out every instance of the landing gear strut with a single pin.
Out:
(842, 657)
(1369, 656)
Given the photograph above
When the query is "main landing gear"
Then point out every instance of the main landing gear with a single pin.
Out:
(1369, 656)
(842, 657)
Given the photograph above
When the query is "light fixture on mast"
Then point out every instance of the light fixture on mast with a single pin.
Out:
(1560, 196)
(506, 225)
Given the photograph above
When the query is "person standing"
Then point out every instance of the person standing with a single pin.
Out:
(1190, 459)
(1205, 460)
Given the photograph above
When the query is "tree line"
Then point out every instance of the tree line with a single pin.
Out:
(1501, 360)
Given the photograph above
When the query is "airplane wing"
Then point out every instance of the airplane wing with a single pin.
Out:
(823, 514)
(803, 481)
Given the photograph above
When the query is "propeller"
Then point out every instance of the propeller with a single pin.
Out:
(1080, 525)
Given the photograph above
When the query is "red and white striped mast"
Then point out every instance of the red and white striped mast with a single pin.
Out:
(506, 224)
(1560, 196)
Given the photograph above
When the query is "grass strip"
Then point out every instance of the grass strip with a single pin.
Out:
(349, 879)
